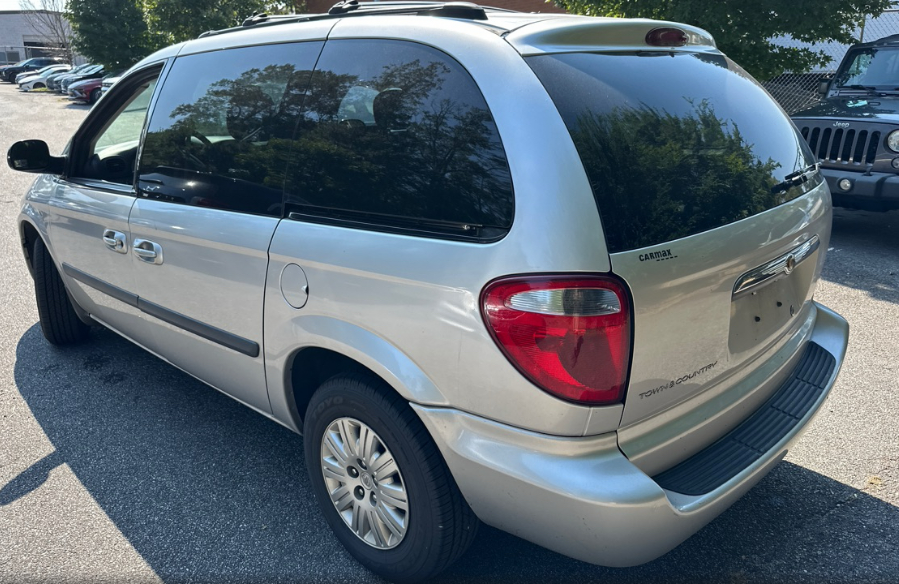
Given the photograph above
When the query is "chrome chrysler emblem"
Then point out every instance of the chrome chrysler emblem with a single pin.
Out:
(789, 265)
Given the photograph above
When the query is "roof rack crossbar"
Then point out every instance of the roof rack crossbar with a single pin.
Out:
(344, 6)
(348, 8)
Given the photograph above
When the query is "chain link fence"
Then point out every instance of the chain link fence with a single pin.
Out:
(798, 91)
(14, 54)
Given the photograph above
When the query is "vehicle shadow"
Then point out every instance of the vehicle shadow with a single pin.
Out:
(863, 252)
(61, 98)
(207, 490)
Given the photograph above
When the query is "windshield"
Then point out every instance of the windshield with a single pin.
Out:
(674, 143)
(876, 68)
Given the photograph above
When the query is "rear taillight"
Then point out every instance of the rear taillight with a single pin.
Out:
(571, 336)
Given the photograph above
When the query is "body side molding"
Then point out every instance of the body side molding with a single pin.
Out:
(201, 329)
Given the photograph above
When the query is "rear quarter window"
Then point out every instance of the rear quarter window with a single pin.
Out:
(396, 136)
(673, 144)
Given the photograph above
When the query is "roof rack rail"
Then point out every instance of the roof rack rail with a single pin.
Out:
(348, 8)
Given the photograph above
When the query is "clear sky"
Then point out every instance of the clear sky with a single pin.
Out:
(6, 5)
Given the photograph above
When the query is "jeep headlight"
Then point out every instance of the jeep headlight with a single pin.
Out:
(893, 141)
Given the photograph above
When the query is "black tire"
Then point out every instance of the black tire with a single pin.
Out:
(94, 96)
(59, 323)
(441, 525)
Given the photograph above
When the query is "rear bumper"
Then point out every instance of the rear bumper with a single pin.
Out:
(878, 191)
(581, 496)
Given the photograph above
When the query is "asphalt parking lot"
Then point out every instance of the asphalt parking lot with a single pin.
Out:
(116, 467)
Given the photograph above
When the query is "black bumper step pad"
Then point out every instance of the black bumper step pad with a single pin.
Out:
(710, 468)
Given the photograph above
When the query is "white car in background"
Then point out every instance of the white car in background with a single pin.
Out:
(109, 82)
(39, 80)
(58, 66)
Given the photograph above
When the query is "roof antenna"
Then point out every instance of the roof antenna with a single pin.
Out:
(344, 6)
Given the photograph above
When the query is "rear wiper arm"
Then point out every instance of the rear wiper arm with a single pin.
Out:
(795, 179)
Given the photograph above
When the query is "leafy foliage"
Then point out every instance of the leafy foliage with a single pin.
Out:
(118, 33)
(110, 32)
(179, 20)
(743, 29)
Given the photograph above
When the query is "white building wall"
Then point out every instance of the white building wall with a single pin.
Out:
(15, 32)
(13, 29)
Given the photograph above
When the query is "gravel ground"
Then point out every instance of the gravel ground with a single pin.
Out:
(117, 467)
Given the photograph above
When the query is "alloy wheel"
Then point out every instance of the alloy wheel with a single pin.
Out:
(365, 483)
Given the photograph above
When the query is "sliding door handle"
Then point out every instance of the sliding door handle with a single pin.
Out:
(115, 240)
(148, 251)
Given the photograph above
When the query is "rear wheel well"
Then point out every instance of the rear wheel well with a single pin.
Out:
(313, 366)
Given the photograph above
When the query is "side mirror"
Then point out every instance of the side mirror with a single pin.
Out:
(824, 84)
(34, 156)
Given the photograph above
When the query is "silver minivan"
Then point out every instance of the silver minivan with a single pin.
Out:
(548, 272)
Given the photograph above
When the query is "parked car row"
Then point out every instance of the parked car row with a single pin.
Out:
(83, 83)
(89, 72)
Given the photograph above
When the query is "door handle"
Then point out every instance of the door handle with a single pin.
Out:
(115, 240)
(148, 251)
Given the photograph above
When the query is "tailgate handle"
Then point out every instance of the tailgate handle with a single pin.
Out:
(777, 268)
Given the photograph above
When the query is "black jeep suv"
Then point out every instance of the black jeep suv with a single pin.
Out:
(854, 130)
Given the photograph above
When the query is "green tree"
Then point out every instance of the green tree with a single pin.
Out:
(110, 32)
(743, 30)
(118, 33)
(180, 20)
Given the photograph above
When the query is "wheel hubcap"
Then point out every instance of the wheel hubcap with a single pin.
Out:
(364, 483)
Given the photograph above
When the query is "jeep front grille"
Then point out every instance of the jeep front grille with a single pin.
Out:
(847, 146)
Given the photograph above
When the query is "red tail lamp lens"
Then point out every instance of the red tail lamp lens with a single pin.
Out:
(569, 336)
(666, 37)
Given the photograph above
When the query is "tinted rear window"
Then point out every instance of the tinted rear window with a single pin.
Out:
(673, 143)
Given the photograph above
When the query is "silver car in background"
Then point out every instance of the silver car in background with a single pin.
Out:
(552, 273)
